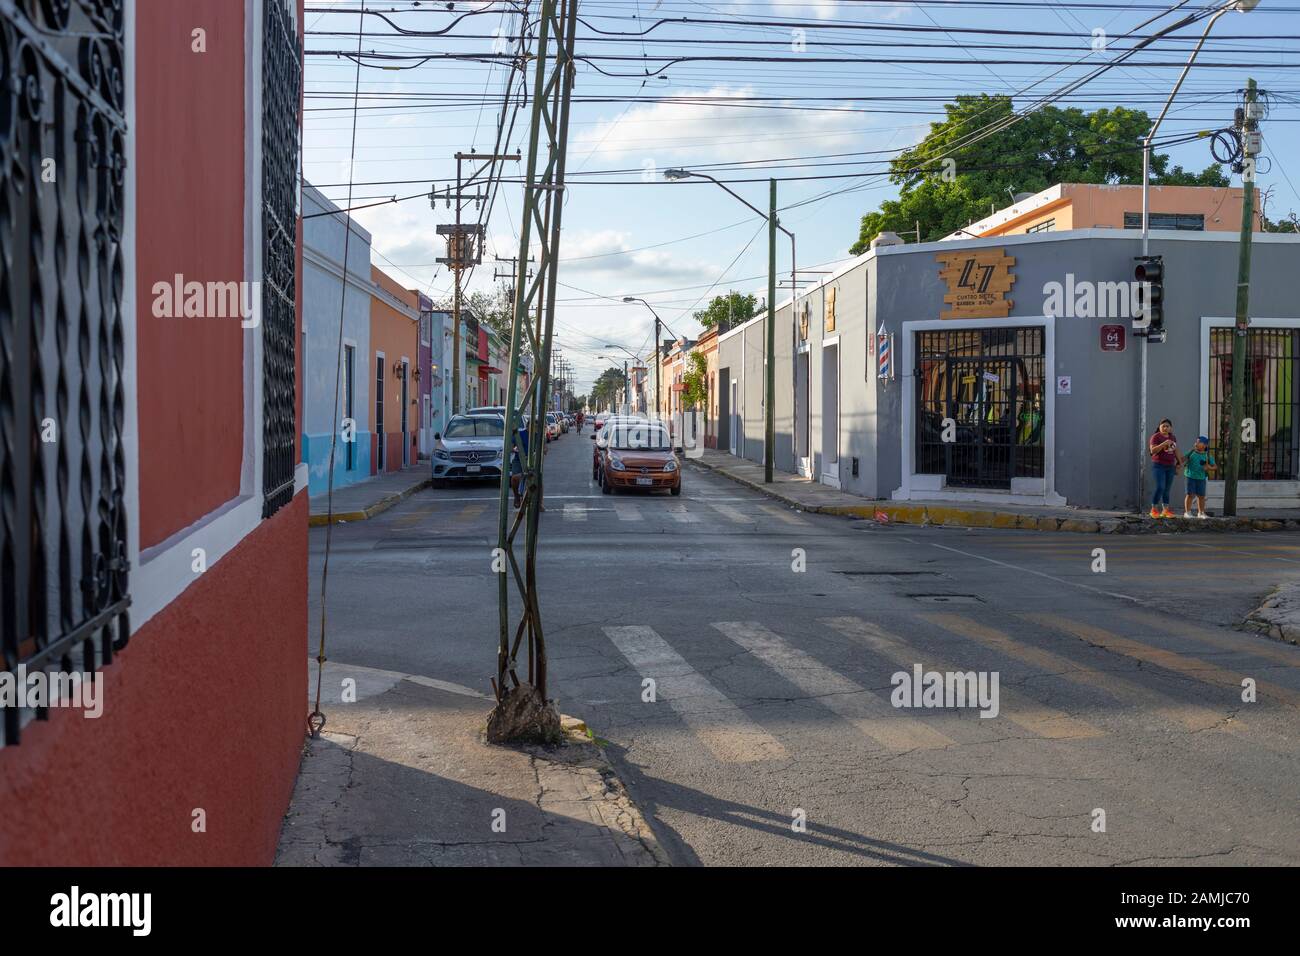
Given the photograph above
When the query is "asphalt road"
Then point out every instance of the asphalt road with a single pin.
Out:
(772, 638)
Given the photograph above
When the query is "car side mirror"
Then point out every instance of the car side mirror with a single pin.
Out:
(437, 436)
(593, 437)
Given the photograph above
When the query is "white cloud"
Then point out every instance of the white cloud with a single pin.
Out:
(656, 136)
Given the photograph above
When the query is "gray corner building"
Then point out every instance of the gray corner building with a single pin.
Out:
(1007, 369)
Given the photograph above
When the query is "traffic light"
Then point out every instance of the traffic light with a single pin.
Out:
(1149, 298)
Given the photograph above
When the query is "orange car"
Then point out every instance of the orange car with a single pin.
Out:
(639, 455)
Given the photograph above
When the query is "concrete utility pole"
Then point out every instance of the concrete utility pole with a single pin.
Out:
(659, 346)
(1250, 145)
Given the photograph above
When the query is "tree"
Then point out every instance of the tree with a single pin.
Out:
(944, 185)
(732, 308)
(695, 381)
(492, 309)
(606, 390)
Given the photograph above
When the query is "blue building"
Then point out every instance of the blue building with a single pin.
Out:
(334, 361)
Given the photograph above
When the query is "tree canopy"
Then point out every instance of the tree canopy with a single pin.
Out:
(944, 185)
(695, 394)
(732, 307)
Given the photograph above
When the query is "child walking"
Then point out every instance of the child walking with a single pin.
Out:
(1196, 465)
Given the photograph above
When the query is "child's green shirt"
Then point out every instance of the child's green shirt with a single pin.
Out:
(1196, 462)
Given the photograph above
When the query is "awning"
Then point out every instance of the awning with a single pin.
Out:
(485, 370)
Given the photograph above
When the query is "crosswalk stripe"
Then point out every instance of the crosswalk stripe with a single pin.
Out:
(781, 514)
(627, 511)
(734, 515)
(1019, 709)
(872, 715)
(679, 513)
(1181, 664)
(712, 716)
(1245, 644)
(575, 512)
(1191, 716)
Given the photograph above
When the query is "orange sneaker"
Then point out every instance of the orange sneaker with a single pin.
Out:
(1167, 513)
(1155, 512)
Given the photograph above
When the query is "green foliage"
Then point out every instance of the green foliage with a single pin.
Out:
(605, 392)
(732, 307)
(696, 380)
(1052, 145)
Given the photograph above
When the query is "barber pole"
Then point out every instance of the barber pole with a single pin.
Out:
(884, 354)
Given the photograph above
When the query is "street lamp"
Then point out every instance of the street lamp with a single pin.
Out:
(1243, 6)
(639, 367)
(769, 442)
(658, 343)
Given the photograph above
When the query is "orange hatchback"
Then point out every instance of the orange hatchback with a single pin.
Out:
(639, 455)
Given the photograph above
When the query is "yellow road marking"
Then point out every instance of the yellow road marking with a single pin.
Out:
(1191, 716)
(1178, 663)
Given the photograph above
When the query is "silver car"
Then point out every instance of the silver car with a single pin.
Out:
(470, 448)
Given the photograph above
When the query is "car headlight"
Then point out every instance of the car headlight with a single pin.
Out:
(441, 455)
(616, 464)
(670, 466)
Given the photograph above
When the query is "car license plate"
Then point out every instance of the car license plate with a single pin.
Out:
(645, 481)
(473, 469)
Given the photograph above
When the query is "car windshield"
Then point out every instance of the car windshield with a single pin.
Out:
(639, 438)
(484, 427)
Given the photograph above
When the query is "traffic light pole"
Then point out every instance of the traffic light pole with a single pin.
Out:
(1249, 135)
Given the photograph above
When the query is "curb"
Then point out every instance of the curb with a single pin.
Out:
(609, 794)
(1279, 616)
(955, 516)
(383, 504)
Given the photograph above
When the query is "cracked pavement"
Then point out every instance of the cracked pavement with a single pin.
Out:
(1120, 691)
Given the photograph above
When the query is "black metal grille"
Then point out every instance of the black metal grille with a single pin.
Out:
(1272, 399)
(281, 81)
(990, 383)
(63, 522)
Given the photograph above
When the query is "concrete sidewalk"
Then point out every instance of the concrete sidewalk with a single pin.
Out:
(403, 777)
(808, 495)
(365, 499)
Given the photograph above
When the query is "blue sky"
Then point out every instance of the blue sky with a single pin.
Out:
(632, 239)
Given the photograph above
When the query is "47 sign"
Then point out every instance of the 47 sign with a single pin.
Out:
(977, 283)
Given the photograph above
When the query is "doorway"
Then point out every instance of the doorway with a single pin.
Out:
(802, 448)
(380, 438)
(830, 473)
(735, 416)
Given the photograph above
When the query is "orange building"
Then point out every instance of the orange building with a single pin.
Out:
(1068, 206)
(394, 352)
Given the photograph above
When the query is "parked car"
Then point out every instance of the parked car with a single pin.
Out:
(639, 455)
(552, 426)
(488, 410)
(599, 438)
(469, 448)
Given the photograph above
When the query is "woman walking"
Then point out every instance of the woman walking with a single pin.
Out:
(1163, 447)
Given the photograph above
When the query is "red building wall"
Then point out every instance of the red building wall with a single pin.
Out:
(205, 708)
(189, 157)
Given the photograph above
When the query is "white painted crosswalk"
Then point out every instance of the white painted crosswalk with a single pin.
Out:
(872, 715)
(731, 728)
(718, 722)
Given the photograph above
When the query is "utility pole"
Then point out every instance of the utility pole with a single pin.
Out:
(465, 240)
(1250, 145)
(523, 712)
(769, 434)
